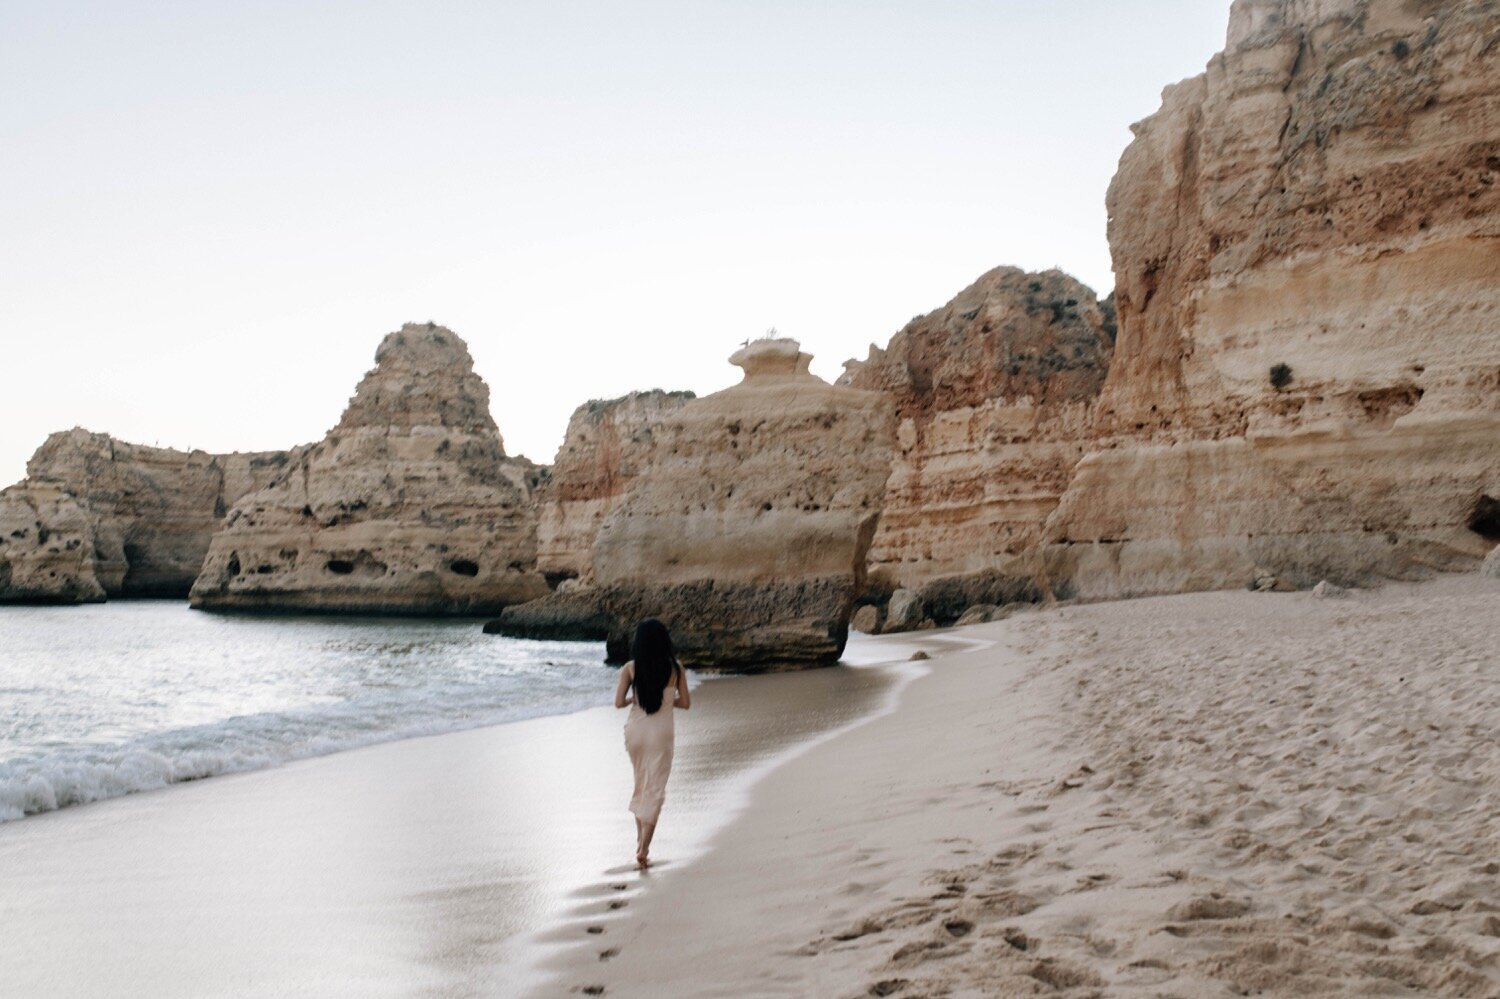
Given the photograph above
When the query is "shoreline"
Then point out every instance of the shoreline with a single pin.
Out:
(1195, 795)
(434, 863)
(154, 760)
(210, 696)
(1199, 794)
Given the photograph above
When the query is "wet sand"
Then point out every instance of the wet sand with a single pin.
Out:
(437, 866)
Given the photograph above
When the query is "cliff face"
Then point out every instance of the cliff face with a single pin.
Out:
(46, 547)
(1306, 240)
(157, 508)
(994, 394)
(99, 517)
(749, 531)
(408, 506)
(607, 445)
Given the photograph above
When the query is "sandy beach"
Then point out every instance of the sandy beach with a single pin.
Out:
(430, 866)
(1212, 794)
(1059, 444)
(1226, 793)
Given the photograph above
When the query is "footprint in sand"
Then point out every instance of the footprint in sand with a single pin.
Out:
(889, 987)
(1211, 906)
(1147, 971)
(1017, 939)
(863, 929)
(1008, 903)
(1061, 975)
(916, 953)
(594, 929)
(605, 955)
(1091, 881)
(618, 903)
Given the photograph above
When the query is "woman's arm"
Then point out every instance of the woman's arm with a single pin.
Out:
(684, 699)
(622, 689)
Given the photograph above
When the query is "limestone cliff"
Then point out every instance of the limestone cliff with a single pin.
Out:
(46, 547)
(607, 445)
(748, 531)
(99, 517)
(994, 393)
(1306, 240)
(408, 506)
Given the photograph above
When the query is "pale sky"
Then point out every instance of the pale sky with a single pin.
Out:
(210, 213)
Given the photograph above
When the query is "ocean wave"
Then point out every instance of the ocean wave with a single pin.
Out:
(80, 774)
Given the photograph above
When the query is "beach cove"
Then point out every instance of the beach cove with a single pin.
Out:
(1124, 623)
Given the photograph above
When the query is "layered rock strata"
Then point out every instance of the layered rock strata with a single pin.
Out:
(994, 393)
(1306, 240)
(98, 517)
(408, 506)
(749, 530)
(47, 547)
(607, 445)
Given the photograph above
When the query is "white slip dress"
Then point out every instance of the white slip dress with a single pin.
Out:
(649, 741)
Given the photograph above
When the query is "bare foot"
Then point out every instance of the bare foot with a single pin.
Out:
(642, 861)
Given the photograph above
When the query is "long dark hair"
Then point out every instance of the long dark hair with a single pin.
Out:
(655, 664)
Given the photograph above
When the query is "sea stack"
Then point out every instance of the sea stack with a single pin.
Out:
(749, 531)
(47, 547)
(994, 394)
(408, 506)
(1306, 384)
(98, 517)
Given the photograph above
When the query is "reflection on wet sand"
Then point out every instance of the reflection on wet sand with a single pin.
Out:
(441, 865)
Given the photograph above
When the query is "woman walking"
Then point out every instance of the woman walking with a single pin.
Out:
(652, 685)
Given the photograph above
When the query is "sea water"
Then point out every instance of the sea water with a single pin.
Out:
(108, 699)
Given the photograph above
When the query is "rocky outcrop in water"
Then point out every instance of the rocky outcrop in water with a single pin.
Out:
(1306, 240)
(994, 393)
(749, 529)
(409, 506)
(582, 615)
(98, 517)
(47, 552)
(607, 445)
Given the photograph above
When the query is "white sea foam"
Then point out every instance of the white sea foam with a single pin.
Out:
(78, 775)
(96, 703)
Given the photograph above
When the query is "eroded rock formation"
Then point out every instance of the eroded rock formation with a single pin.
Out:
(994, 393)
(408, 506)
(607, 445)
(1306, 240)
(47, 544)
(749, 530)
(98, 517)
